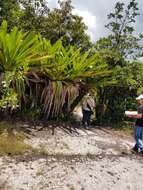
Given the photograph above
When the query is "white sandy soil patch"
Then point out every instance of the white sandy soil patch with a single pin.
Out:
(96, 159)
(50, 174)
(94, 141)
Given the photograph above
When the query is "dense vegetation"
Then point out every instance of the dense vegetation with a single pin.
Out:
(48, 62)
(42, 77)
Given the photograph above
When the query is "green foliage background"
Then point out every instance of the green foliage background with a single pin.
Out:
(48, 62)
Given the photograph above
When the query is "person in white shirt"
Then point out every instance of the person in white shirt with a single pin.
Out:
(88, 105)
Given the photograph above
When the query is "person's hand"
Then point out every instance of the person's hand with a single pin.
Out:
(130, 116)
(137, 116)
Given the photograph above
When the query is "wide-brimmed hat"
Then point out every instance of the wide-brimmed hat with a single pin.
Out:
(139, 97)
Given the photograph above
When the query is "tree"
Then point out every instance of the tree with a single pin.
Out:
(10, 11)
(120, 45)
(33, 15)
(62, 23)
(120, 24)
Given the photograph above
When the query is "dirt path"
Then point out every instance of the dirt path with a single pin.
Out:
(96, 159)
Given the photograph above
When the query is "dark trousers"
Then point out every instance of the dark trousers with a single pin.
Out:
(86, 117)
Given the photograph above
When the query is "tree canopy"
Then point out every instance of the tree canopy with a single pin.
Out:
(122, 38)
(52, 24)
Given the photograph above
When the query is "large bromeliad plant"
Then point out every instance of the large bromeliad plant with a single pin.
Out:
(39, 74)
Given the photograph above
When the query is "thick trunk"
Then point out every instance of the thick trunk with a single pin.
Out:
(101, 107)
(83, 91)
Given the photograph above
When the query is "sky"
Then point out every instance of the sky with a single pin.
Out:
(94, 13)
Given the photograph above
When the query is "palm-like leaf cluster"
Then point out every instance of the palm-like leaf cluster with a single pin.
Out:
(68, 64)
(16, 48)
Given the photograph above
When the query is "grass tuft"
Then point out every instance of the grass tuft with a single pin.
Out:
(10, 145)
(11, 141)
(40, 172)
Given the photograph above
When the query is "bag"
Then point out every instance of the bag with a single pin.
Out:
(90, 108)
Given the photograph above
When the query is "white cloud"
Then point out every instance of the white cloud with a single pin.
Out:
(52, 3)
(89, 19)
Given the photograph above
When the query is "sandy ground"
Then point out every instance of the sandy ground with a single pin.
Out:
(95, 159)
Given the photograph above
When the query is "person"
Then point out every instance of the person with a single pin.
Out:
(138, 129)
(88, 105)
